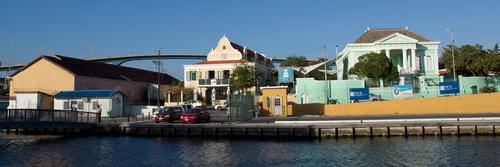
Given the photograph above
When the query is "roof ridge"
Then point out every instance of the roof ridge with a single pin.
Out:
(101, 63)
(399, 28)
(371, 35)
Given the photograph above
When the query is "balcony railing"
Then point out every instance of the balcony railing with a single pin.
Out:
(213, 82)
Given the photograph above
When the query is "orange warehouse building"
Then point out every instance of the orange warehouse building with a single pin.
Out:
(45, 76)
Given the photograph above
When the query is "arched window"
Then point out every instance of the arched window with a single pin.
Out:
(429, 62)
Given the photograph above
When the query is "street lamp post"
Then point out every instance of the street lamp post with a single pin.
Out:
(452, 35)
(326, 83)
(159, 78)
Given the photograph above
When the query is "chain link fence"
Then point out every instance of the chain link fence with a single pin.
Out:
(241, 108)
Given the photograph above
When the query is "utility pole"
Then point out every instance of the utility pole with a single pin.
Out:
(159, 78)
(326, 81)
(452, 35)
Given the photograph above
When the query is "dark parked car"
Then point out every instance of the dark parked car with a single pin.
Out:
(169, 114)
(195, 115)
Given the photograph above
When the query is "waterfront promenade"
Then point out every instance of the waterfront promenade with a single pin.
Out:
(317, 127)
(286, 127)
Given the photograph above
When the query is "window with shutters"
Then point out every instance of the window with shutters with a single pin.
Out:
(193, 75)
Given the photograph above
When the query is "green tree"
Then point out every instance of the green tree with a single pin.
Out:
(492, 60)
(375, 66)
(488, 89)
(3, 91)
(175, 90)
(295, 61)
(469, 60)
(243, 77)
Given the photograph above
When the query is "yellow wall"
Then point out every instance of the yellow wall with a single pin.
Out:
(46, 102)
(271, 93)
(42, 76)
(478, 103)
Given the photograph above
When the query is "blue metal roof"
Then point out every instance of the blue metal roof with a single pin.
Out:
(85, 93)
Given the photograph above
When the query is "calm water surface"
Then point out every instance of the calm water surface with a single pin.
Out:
(144, 151)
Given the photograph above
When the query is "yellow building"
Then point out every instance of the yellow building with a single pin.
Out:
(48, 75)
(274, 101)
(210, 78)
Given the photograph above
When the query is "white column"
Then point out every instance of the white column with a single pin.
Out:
(182, 96)
(405, 61)
(388, 53)
(168, 96)
(414, 59)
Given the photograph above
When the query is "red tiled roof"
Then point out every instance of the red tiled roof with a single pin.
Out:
(103, 70)
(222, 61)
(371, 36)
(250, 53)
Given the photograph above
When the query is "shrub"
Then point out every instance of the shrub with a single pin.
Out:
(488, 89)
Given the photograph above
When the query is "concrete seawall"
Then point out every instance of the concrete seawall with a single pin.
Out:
(305, 131)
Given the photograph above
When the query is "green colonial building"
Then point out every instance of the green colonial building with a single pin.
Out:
(413, 54)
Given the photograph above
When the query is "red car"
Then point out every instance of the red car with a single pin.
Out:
(195, 115)
(169, 114)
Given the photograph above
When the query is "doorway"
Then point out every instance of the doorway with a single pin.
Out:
(208, 96)
(474, 89)
(277, 106)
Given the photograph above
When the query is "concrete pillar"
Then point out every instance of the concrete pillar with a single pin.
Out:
(461, 85)
(405, 61)
(213, 96)
(168, 97)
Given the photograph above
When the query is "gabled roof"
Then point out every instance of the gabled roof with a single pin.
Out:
(251, 56)
(79, 67)
(250, 53)
(373, 35)
(85, 93)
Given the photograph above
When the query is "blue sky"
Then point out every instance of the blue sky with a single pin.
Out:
(277, 28)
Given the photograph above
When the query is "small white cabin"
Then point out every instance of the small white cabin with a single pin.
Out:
(110, 101)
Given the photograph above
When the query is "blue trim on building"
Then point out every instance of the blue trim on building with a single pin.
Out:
(85, 93)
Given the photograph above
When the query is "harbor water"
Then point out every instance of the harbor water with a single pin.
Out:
(158, 151)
